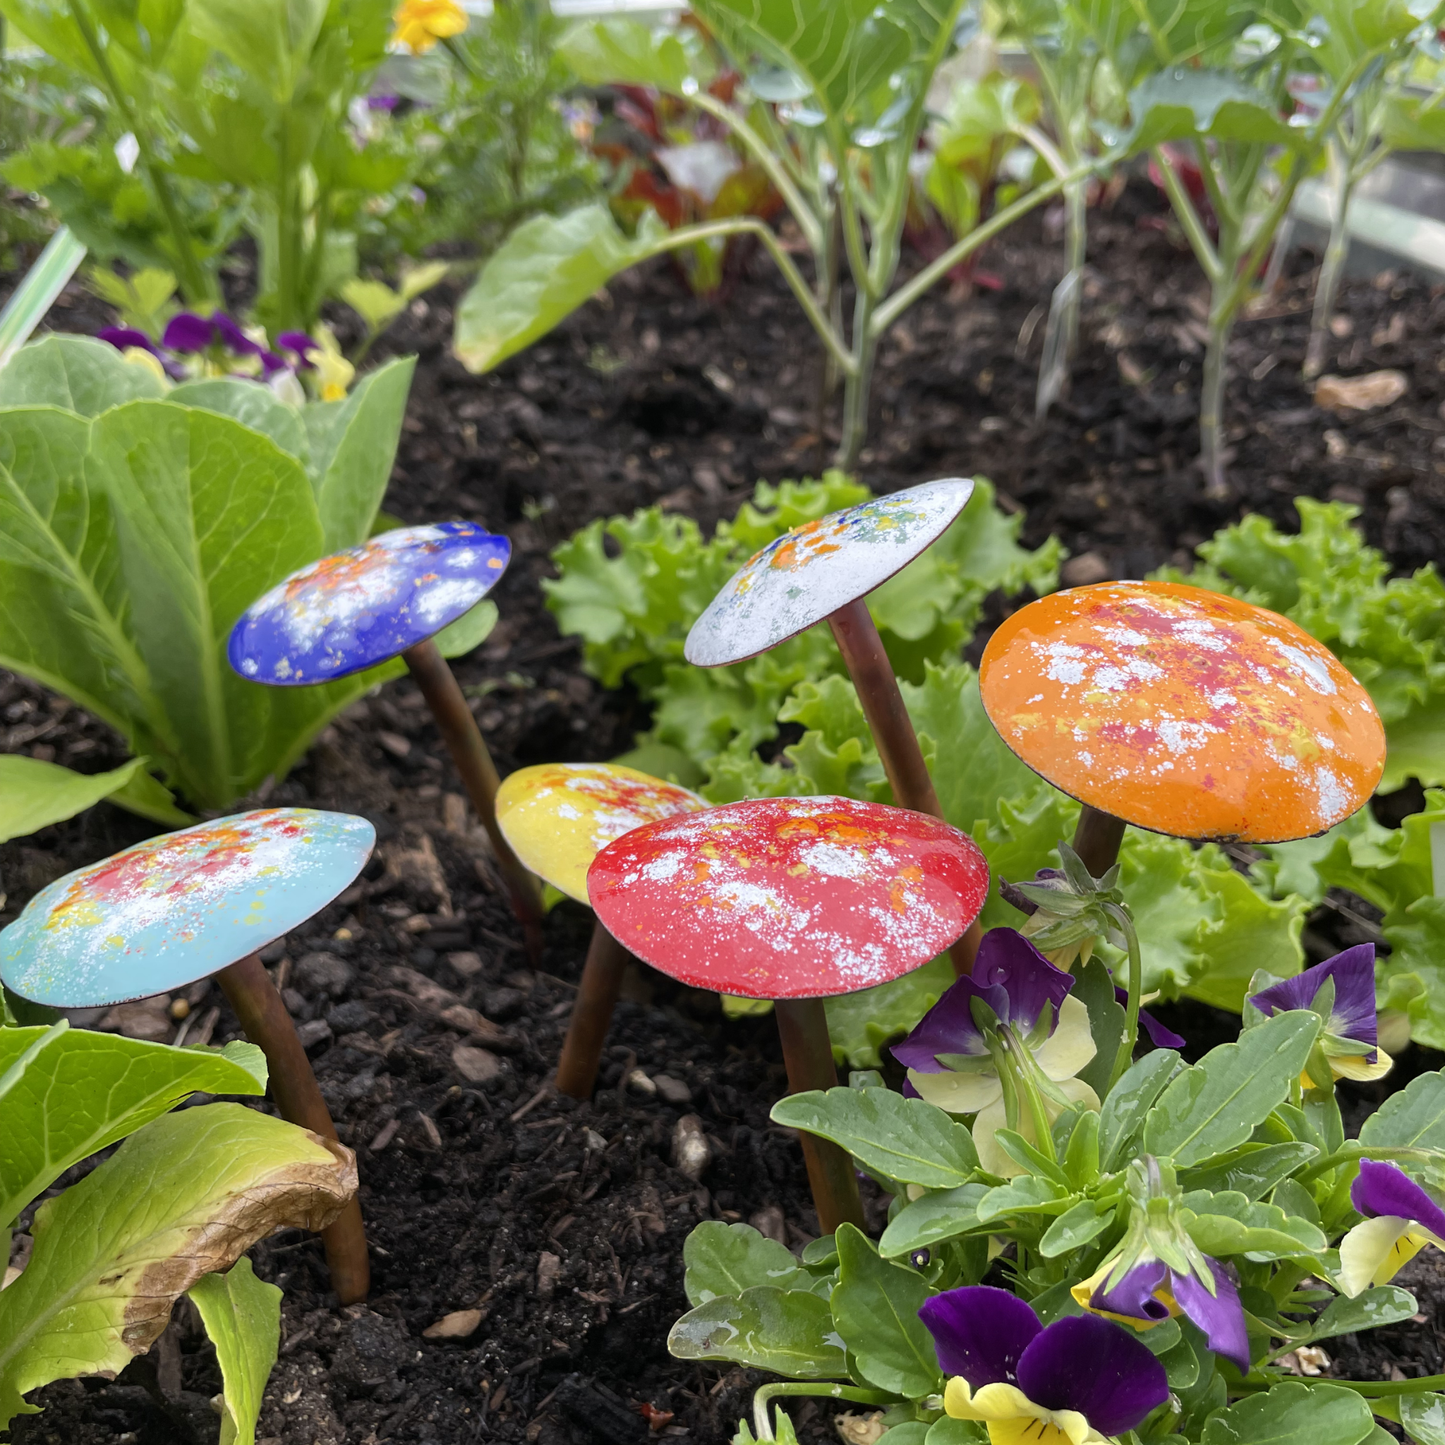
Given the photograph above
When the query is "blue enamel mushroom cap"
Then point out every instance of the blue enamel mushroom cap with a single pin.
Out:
(178, 907)
(356, 608)
(806, 574)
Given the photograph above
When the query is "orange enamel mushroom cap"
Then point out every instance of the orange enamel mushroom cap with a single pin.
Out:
(1183, 711)
(784, 898)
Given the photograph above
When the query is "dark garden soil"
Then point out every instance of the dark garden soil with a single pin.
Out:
(561, 1225)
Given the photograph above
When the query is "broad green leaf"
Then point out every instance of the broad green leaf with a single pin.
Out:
(1293, 1414)
(948, 1431)
(271, 40)
(34, 794)
(938, 1215)
(726, 1259)
(1028, 1194)
(1382, 1305)
(544, 271)
(842, 48)
(902, 1139)
(1423, 1417)
(77, 373)
(1251, 1170)
(82, 1091)
(184, 1196)
(789, 1332)
(1412, 1118)
(1183, 103)
(1094, 987)
(875, 1307)
(1417, 946)
(1227, 1223)
(469, 631)
(242, 1315)
(1075, 1227)
(1129, 1102)
(1416, 747)
(1215, 1105)
(251, 404)
(861, 1024)
(352, 447)
(627, 52)
(147, 797)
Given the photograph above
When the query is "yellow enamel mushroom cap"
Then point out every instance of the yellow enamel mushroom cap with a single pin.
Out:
(559, 816)
(1183, 711)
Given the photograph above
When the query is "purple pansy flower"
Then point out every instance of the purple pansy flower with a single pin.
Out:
(124, 337)
(1150, 1293)
(297, 343)
(949, 1059)
(1400, 1220)
(1350, 1037)
(1057, 1383)
(188, 332)
(1160, 1036)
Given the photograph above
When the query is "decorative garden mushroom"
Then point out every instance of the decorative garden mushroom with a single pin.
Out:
(794, 900)
(557, 817)
(200, 902)
(824, 569)
(1182, 711)
(389, 597)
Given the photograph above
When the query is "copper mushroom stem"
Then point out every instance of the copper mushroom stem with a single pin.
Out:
(592, 1009)
(464, 741)
(1097, 840)
(255, 1002)
(863, 653)
(808, 1054)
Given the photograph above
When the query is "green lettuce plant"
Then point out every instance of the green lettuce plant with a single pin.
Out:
(136, 523)
(1190, 1225)
(220, 118)
(1210, 81)
(839, 100)
(171, 1211)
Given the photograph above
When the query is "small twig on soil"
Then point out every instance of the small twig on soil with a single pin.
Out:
(544, 1092)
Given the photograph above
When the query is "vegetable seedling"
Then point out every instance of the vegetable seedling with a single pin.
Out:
(195, 904)
(1182, 711)
(794, 900)
(558, 817)
(824, 569)
(389, 597)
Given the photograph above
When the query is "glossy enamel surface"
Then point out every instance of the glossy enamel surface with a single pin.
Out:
(178, 907)
(362, 606)
(789, 897)
(802, 576)
(559, 816)
(1183, 711)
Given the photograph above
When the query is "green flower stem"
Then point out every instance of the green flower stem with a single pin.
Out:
(1021, 1065)
(1125, 1056)
(1352, 1153)
(763, 1397)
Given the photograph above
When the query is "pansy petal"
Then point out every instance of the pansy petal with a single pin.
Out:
(1071, 1045)
(1353, 972)
(1007, 958)
(1369, 1253)
(1087, 1364)
(1219, 1315)
(122, 337)
(979, 1332)
(948, 1027)
(235, 339)
(1356, 1067)
(991, 1157)
(188, 332)
(958, 1093)
(1063, 1427)
(1160, 1036)
(1381, 1188)
(1134, 1294)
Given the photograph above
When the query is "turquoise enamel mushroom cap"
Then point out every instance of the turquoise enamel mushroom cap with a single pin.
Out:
(369, 603)
(809, 573)
(179, 907)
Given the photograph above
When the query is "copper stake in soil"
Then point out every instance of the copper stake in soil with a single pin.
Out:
(479, 775)
(255, 1002)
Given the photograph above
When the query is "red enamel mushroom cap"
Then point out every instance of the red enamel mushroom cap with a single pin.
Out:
(789, 897)
(1183, 711)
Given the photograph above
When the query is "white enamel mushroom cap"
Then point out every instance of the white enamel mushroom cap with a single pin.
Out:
(809, 573)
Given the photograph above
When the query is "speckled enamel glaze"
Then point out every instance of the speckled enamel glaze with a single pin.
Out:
(362, 606)
(179, 907)
(789, 897)
(559, 816)
(806, 574)
(1183, 711)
